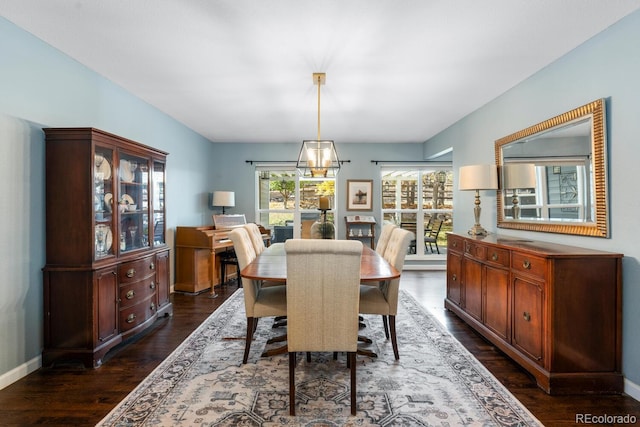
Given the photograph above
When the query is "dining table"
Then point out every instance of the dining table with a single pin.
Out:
(271, 266)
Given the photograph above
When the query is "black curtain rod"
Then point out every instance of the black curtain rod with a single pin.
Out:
(405, 161)
(286, 161)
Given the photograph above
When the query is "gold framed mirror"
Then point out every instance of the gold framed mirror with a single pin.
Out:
(553, 175)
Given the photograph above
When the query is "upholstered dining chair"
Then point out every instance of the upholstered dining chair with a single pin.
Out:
(256, 237)
(323, 279)
(383, 299)
(258, 301)
(383, 240)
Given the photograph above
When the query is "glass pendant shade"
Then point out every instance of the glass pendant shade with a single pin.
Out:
(318, 159)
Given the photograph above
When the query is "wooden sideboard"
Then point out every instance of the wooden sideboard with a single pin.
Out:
(556, 310)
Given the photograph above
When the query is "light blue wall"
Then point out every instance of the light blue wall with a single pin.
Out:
(607, 66)
(39, 88)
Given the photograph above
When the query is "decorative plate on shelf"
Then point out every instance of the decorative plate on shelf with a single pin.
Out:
(126, 174)
(108, 202)
(104, 239)
(102, 166)
(127, 199)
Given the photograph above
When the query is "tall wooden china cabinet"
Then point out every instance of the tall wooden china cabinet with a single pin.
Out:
(107, 272)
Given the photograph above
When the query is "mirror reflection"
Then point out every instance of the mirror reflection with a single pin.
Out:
(553, 175)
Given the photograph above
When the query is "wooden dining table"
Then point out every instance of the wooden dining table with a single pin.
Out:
(271, 266)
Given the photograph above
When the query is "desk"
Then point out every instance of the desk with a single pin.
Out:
(271, 266)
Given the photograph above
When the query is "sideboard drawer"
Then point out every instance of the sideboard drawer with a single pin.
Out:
(477, 251)
(136, 270)
(133, 293)
(136, 315)
(498, 256)
(528, 264)
(455, 243)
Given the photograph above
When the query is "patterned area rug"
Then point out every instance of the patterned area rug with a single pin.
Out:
(436, 382)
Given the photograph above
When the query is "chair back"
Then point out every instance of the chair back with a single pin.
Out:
(395, 255)
(323, 297)
(383, 240)
(245, 253)
(256, 237)
(434, 230)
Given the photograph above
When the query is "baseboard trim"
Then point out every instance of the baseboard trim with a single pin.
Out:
(21, 371)
(632, 389)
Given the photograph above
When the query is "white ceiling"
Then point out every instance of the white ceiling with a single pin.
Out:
(241, 70)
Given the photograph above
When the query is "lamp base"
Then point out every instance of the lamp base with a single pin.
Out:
(477, 230)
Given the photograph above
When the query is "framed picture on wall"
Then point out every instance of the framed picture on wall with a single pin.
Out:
(359, 194)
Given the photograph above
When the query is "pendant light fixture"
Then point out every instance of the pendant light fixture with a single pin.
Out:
(318, 158)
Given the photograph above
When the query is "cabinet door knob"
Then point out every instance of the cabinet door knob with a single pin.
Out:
(130, 294)
(131, 272)
(454, 277)
(526, 264)
(131, 318)
(526, 316)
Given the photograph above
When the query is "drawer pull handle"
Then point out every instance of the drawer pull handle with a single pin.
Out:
(455, 244)
(152, 266)
(153, 307)
(526, 264)
(130, 294)
(494, 257)
(454, 277)
(131, 318)
(526, 316)
(152, 285)
(131, 272)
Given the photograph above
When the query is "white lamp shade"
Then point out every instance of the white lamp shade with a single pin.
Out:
(518, 175)
(224, 198)
(478, 177)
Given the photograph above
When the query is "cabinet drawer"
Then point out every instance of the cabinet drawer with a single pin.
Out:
(498, 256)
(137, 314)
(133, 293)
(136, 270)
(454, 243)
(528, 264)
(475, 250)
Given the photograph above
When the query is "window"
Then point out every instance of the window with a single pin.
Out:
(288, 204)
(413, 198)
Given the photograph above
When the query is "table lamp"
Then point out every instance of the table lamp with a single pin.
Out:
(478, 177)
(516, 176)
(224, 199)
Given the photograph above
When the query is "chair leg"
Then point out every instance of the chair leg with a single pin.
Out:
(386, 327)
(247, 345)
(352, 362)
(292, 383)
(394, 340)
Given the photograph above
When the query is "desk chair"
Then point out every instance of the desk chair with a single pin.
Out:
(383, 300)
(258, 301)
(323, 278)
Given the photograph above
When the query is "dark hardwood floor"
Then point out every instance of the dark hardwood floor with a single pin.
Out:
(70, 395)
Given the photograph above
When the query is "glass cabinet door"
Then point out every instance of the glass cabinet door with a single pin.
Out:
(103, 202)
(133, 202)
(158, 203)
